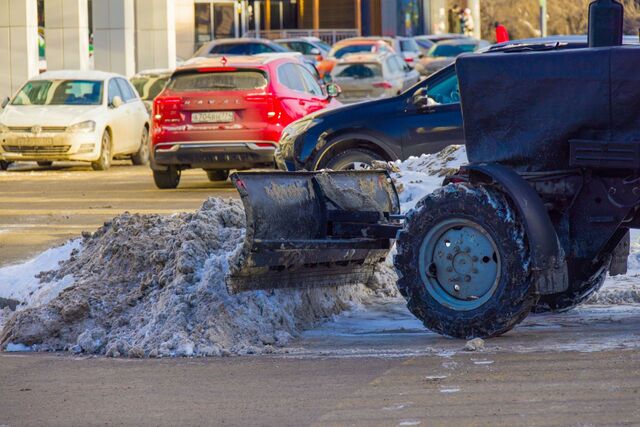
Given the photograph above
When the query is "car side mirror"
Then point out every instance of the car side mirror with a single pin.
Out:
(116, 102)
(333, 90)
(5, 101)
(420, 98)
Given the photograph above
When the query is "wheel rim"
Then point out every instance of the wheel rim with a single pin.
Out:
(144, 147)
(459, 264)
(106, 150)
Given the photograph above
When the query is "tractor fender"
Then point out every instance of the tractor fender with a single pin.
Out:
(548, 261)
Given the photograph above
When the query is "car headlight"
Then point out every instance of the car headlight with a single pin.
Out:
(88, 126)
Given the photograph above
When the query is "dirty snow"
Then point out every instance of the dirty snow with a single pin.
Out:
(153, 286)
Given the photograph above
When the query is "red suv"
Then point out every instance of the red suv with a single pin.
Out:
(228, 113)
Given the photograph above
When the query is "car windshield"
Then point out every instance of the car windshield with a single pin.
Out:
(149, 87)
(323, 45)
(358, 71)
(409, 45)
(218, 81)
(451, 50)
(60, 92)
(354, 48)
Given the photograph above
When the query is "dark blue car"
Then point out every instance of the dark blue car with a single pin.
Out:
(424, 119)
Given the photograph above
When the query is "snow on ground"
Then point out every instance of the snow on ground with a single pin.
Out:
(154, 286)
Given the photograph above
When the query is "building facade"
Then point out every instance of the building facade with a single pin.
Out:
(127, 36)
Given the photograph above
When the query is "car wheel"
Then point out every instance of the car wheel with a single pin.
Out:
(104, 161)
(352, 159)
(167, 179)
(463, 263)
(44, 164)
(217, 175)
(142, 156)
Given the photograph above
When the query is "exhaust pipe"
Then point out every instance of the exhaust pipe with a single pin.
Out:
(606, 21)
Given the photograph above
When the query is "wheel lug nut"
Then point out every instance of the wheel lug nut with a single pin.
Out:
(456, 288)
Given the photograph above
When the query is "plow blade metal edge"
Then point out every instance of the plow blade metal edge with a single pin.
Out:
(310, 229)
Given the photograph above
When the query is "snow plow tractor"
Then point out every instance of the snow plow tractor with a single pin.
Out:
(534, 222)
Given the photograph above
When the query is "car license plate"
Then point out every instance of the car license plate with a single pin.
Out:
(212, 117)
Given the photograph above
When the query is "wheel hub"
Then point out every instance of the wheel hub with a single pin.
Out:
(460, 264)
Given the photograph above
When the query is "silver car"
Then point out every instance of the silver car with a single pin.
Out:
(370, 76)
(446, 52)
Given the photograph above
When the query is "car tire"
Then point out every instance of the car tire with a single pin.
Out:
(104, 161)
(142, 156)
(217, 175)
(167, 179)
(352, 159)
(461, 289)
(44, 164)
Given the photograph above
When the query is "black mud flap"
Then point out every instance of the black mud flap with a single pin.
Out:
(309, 229)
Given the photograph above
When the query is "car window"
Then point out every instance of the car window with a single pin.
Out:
(310, 83)
(241, 49)
(393, 65)
(257, 48)
(59, 92)
(302, 47)
(449, 51)
(445, 91)
(356, 48)
(409, 45)
(114, 90)
(125, 90)
(288, 76)
(359, 71)
(218, 81)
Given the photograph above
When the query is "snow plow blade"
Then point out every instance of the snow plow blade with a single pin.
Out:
(310, 229)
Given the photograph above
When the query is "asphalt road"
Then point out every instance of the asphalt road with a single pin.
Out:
(42, 207)
(378, 367)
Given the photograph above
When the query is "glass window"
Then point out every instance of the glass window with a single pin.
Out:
(409, 45)
(114, 90)
(311, 84)
(60, 92)
(218, 81)
(451, 50)
(392, 65)
(445, 91)
(149, 87)
(359, 71)
(289, 77)
(355, 48)
(125, 89)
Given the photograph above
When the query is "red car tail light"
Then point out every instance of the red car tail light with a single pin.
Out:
(384, 85)
(409, 60)
(167, 110)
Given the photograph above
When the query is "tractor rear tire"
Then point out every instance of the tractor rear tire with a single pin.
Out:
(463, 263)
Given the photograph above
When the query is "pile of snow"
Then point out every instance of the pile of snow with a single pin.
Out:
(417, 177)
(153, 286)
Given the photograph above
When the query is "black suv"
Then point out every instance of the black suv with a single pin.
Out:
(424, 119)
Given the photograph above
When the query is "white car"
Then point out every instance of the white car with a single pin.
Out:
(369, 76)
(89, 116)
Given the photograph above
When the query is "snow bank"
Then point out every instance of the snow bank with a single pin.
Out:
(417, 177)
(152, 286)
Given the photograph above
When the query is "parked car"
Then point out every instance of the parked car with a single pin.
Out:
(409, 49)
(428, 41)
(314, 49)
(228, 113)
(149, 84)
(370, 76)
(89, 116)
(246, 46)
(446, 52)
(349, 46)
(424, 119)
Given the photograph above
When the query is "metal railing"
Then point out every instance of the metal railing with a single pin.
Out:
(328, 36)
